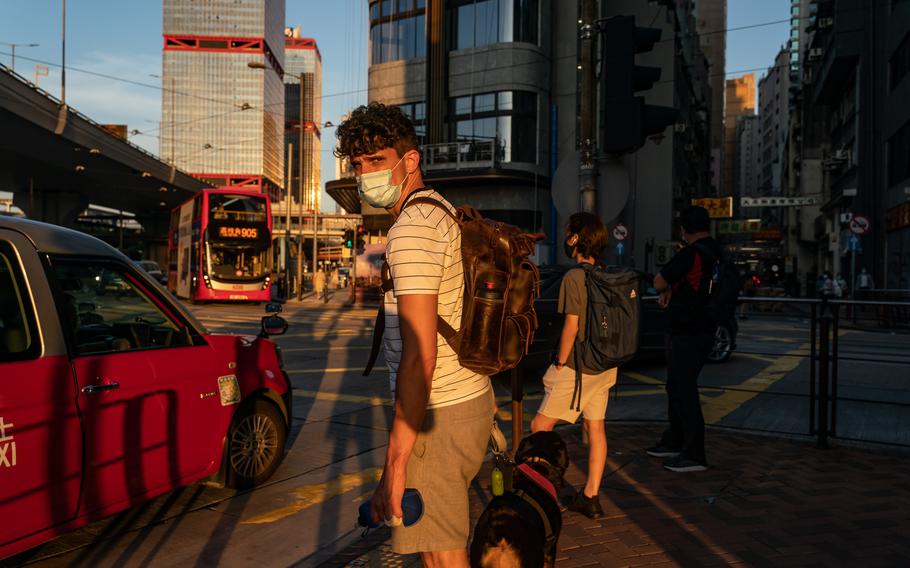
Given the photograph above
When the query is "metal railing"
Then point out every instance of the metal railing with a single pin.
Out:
(868, 403)
(475, 154)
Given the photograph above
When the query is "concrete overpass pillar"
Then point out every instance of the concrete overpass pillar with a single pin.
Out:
(59, 207)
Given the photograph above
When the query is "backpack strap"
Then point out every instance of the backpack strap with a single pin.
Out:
(448, 333)
(576, 391)
(379, 324)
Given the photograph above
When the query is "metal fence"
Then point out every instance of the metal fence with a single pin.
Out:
(845, 373)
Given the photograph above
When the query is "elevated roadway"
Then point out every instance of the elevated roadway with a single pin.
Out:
(56, 161)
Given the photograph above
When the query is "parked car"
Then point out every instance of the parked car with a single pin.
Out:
(110, 400)
(153, 270)
(653, 323)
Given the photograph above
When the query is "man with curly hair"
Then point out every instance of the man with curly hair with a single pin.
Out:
(443, 412)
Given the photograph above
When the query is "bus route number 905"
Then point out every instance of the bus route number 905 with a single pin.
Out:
(238, 232)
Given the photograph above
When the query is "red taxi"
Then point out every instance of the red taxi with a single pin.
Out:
(111, 393)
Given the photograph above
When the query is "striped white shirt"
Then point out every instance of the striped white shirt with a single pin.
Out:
(424, 255)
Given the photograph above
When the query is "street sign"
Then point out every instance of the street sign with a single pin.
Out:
(620, 232)
(620, 248)
(718, 207)
(777, 201)
(859, 225)
(854, 244)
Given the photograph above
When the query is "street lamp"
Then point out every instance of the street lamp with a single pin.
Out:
(13, 47)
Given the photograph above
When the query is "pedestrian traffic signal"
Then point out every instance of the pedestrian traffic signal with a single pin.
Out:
(627, 121)
(361, 236)
(349, 238)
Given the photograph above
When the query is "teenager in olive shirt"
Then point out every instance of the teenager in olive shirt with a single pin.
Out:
(586, 238)
(683, 286)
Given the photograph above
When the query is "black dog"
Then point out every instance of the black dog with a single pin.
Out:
(521, 527)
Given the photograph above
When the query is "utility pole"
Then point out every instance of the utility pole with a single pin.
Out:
(63, 58)
(587, 174)
(287, 226)
(300, 207)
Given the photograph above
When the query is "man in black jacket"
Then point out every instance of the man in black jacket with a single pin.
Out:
(683, 286)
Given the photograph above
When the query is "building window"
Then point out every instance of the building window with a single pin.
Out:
(507, 117)
(397, 30)
(900, 62)
(794, 10)
(417, 112)
(899, 155)
(475, 23)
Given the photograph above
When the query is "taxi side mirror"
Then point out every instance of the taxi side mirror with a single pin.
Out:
(273, 307)
(273, 325)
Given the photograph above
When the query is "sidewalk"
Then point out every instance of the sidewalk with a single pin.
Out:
(764, 502)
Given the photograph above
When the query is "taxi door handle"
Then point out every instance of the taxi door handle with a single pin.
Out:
(94, 389)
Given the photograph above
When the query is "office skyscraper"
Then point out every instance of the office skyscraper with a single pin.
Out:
(303, 79)
(222, 95)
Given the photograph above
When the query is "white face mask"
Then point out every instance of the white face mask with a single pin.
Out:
(376, 187)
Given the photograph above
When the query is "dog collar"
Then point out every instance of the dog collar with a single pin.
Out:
(540, 480)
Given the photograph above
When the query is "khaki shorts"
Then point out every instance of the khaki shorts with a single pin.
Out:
(447, 456)
(559, 385)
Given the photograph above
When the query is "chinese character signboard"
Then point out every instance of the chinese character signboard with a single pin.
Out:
(718, 207)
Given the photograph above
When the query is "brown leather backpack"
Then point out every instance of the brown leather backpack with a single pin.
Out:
(498, 320)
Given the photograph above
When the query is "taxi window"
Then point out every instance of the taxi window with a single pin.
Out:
(18, 332)
(106, 310)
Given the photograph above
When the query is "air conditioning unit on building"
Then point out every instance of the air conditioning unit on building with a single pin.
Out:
(845, 218)
(679, 127)
(815, 53)
(825, 23)
(842, 154)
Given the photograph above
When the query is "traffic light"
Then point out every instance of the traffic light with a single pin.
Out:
(349, 238)
(627, 120)
(361, 235)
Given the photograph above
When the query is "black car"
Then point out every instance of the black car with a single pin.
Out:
(153, 270)
(653, 323)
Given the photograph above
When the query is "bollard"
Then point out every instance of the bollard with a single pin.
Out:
(833, 393)
(813, 361)
(823, 358)
(517, 408)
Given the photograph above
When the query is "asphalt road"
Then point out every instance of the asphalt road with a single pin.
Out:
(307, 512)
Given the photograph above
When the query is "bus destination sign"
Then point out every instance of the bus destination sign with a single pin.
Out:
(231, 232)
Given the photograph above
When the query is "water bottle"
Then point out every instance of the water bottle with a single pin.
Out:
(411, 507)
(498, 482)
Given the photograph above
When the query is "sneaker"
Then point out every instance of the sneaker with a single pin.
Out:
(662, 451)
(587, 506)
(682, 464)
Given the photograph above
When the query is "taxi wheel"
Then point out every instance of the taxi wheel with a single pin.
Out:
(255, 444)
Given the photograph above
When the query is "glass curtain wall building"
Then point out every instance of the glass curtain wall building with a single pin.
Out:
(489, 114)
(303, 78)
(222, 94)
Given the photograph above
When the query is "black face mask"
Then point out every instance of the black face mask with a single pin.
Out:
(569, 249)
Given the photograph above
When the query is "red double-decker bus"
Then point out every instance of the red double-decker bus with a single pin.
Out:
(219, 247)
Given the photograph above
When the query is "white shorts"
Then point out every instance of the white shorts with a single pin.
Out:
(559, 385)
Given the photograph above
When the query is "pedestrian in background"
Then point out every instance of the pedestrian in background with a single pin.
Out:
(864, 280)
(840, 286)
(749, 289)
(318, 283)
(586, 238)
(683, 287)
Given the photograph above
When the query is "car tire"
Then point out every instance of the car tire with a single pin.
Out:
(255, 444)
(723, 345)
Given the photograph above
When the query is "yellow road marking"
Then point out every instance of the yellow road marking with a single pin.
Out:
(334, 370)
(326, 349)
(643, 378)
(716, 408)
(338, 397)
(313, 494)
(764, 358)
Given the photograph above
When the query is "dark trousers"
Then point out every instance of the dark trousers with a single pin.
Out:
(686, 355)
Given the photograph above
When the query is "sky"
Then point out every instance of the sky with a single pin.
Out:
(122, 40)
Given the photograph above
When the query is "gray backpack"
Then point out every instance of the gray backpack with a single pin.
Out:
(612, 322)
